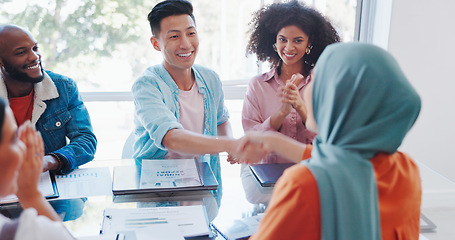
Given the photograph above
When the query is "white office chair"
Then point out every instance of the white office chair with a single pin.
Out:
(127, 151)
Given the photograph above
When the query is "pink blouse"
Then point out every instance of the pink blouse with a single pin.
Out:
(261, 102)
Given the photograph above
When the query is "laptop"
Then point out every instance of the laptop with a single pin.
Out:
(267, 174)
(128, 179)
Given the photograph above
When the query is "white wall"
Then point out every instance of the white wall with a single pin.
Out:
(422, 39)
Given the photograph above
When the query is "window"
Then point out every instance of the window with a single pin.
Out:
(104, 46)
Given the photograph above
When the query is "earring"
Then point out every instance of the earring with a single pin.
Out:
(274, 47)
(308, 49)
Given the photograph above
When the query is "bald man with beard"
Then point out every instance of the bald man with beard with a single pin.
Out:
(49, 100)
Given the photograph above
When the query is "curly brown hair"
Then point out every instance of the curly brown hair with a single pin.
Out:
(268, 21)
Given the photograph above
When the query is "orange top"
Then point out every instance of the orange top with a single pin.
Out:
(22, 107)
(294, 210)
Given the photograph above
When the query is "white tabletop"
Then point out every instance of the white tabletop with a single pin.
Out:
(438, 203)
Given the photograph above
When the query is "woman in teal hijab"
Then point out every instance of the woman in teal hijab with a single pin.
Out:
(361, 106)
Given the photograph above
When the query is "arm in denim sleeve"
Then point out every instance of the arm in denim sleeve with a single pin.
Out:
(82, 146)
(154, 107)
(222, 113)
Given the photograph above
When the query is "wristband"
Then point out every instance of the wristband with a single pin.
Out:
(59, 161)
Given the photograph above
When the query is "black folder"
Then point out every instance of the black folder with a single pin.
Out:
(267, 174)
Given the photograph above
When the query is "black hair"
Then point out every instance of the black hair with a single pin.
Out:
(268, 21)
(168, 8)
(2, 115)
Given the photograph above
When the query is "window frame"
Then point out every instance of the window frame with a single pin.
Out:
(365, 25)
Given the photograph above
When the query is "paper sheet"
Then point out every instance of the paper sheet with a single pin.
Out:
(85, 182)
(153, 232)
(169, 173)
(158, 232)
(100, 237)
(190, 220)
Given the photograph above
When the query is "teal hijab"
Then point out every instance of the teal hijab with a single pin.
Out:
(363, 105)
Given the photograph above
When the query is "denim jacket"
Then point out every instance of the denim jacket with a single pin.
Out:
(59, 113)
(157, 110)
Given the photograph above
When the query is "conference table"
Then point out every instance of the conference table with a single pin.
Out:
(438, 203)
(83, 216)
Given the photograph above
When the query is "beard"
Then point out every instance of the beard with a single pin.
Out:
(17, 75)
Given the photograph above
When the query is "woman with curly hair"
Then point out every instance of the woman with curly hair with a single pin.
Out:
(290, 36)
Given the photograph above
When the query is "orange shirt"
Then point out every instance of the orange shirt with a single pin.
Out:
(294, 210)
(22, 107)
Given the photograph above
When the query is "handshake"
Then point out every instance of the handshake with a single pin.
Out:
(255, 146)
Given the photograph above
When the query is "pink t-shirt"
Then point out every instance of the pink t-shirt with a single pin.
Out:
(261, 102)
(191, 109)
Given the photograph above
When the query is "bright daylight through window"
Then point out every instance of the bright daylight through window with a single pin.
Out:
(104, 46)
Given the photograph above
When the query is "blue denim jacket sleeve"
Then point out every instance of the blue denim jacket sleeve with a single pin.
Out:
(156, 111)
(157, 108)
(222, 114)
(67, 117)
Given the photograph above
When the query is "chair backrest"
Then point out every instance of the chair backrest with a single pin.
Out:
(128, 151)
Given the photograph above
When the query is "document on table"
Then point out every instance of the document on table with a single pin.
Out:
(238, 228)
(163, 175)
(46, 186)
(101, 237)
(170, 173)
(85, 182)
(166, 231)
(192, 221)
(155, 232)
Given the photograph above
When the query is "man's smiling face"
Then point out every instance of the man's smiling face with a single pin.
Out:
(177, 41)
(20, 59)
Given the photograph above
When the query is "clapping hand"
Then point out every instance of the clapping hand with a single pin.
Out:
(32, 166)
(290, 94)
(30, 173)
